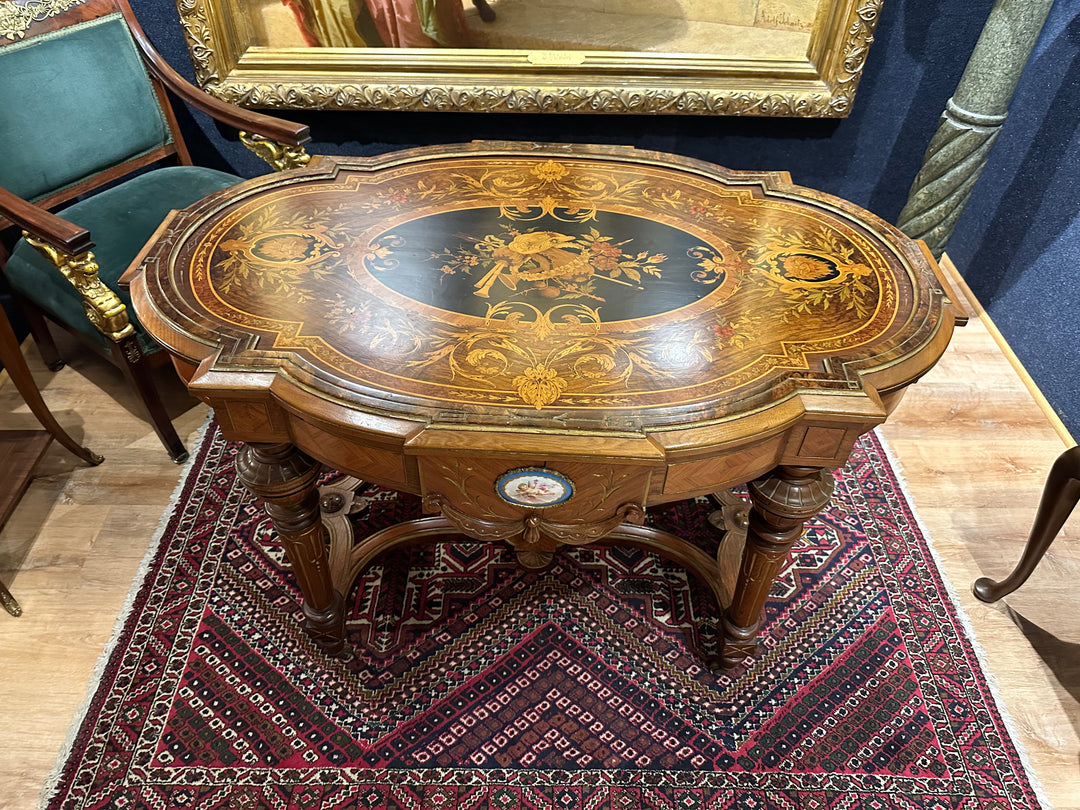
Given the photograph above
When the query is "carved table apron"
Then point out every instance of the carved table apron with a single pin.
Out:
(543, 341)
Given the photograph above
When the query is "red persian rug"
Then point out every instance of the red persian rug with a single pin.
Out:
(477, 684)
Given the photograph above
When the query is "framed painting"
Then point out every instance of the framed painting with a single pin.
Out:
(744, 57)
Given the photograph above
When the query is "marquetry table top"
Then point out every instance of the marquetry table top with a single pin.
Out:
(595, 290)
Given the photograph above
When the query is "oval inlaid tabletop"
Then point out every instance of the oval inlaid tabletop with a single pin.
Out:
(603, 288)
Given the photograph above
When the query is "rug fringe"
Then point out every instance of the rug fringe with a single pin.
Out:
(1011, 726)
(53, 779)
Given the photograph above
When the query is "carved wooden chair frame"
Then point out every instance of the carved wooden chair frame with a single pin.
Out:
(69, 247)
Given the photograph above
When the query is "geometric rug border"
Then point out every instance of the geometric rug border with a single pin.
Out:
(1005, 717)
(522, 778)
(169, 517)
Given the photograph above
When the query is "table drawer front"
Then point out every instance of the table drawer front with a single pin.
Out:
(580, 492)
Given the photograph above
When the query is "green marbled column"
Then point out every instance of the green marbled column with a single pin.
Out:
(971, 122)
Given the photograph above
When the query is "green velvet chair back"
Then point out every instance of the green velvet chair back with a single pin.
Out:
(75, 103)
(91, 163)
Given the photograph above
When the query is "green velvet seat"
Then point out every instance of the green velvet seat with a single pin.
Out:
(93, 161)
(121, 219)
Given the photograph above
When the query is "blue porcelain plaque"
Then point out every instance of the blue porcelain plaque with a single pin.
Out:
(534, 487)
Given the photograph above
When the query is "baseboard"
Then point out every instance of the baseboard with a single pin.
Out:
(961, 289)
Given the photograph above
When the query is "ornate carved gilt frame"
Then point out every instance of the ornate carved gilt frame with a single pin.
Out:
(822, 84)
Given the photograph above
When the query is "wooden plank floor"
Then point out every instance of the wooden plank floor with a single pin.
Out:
(973, 443)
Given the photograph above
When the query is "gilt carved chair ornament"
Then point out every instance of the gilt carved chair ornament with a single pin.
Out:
(83, 106)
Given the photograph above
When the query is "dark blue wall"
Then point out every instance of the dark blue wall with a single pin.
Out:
(1018, 241)
(1017, 244)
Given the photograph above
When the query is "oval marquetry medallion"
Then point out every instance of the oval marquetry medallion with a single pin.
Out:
(618, 290)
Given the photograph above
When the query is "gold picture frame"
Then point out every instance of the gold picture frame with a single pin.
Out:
(230, 64)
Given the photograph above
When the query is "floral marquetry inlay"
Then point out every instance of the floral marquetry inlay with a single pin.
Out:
(542, 342)
(534, 281)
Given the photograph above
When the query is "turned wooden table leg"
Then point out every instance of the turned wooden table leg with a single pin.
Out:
(285, 479)
(782, 502)
(1060, 496)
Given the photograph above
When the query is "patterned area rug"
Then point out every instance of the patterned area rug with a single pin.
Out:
(477, 684)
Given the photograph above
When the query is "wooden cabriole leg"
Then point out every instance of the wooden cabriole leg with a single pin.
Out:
(1060, 496)
(782, 502)
(285, 479)
(12, 359)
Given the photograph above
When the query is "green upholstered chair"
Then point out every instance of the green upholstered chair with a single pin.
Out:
(86, 131)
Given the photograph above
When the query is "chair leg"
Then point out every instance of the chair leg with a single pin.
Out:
(487, 13)
(19, 373)
(131, 361)
(43, 339)
(1059, 498)
(7, 601)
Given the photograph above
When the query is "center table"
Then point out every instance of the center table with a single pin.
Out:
(542, 341)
